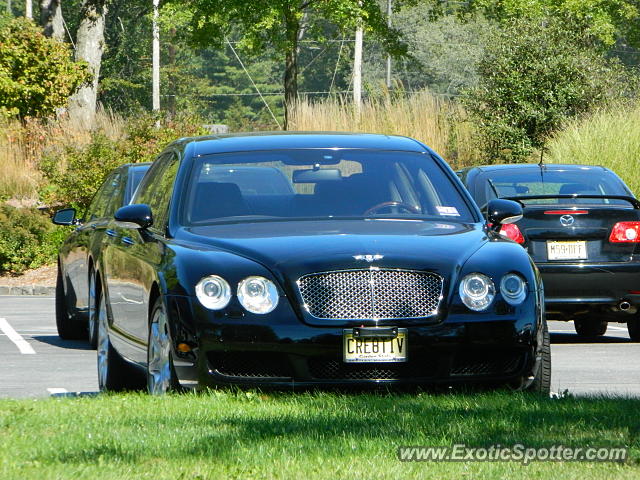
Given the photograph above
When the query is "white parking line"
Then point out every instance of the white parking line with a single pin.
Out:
(56, 391)
(15, 337)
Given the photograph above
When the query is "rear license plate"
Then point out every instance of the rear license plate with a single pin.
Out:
(372, 349)
(567, 250)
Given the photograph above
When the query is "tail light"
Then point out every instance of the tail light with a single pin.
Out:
(625, 232)
(511, 230)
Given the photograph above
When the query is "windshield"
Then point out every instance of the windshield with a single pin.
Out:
(583, 181)
(319, 183)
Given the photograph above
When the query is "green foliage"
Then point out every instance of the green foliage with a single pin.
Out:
(28, 239)
(85, 171)
(609, 137)
(602, 19)
(533, 76)
(37, 74)
(76, 174)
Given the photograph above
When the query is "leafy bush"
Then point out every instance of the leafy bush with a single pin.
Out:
(37, 74)
(28, 239)
(533, 77)
(75, 174)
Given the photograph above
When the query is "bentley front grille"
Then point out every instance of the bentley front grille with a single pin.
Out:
(371, 294)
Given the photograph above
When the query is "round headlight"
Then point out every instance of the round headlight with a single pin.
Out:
(213, 292)
(477, 291)
(513, 288)
(258, 294)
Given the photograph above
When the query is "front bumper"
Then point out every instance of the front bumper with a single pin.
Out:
(568, 286)
(303, 356)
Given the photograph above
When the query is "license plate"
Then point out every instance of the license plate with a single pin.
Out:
(372, 349)
(567, 250)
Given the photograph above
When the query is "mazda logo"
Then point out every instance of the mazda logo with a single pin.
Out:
(567, 220)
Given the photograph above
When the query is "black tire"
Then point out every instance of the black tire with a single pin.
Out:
(160, 379)
(68, 329)
(92, 317)
(633, 326)
(542, 377)
(590, 327)
(114, 373)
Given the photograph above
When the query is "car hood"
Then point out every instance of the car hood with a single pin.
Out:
(294, 248)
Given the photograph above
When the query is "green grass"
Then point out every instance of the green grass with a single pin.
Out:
(304, 436)
(610, 137)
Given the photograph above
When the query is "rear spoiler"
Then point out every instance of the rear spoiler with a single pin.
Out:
(632, 200)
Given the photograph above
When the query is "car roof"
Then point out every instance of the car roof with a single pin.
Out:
(535, 166)
(300, 140)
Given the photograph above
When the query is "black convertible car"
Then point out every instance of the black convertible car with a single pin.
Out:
(314, 259)
(581, 226)
(76, 285)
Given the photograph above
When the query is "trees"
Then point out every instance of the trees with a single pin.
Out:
(51, 19)
(533, 76)
(89, 48)
(281, 25)
(36, 73)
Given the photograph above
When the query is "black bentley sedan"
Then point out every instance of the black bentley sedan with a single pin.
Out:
(300, 259)
(581, 226)
(76, 285)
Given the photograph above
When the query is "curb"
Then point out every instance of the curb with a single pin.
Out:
(28, 290)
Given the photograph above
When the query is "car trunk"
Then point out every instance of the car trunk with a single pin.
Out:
(576, 234)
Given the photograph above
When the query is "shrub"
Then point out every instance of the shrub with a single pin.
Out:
(37, 74)
(28, 239)
(533, 77)
(75, 173)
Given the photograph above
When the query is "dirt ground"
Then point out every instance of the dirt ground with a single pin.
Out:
(43, 276)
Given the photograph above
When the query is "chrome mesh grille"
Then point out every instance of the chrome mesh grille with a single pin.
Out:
(371, 294)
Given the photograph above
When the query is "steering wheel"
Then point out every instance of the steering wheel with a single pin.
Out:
(404, 206)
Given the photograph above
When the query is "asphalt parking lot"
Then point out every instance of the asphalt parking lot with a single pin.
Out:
(35, 362)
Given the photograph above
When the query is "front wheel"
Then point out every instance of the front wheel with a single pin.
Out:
(92, 321)
(114, 373)
(590, 327)
(161, 377)
(542, 377)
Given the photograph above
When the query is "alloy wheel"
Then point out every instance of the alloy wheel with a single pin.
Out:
(102, 345)
(159, 354)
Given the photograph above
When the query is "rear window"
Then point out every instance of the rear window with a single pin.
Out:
(522, 183)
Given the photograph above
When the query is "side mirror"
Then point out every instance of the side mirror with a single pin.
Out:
(135, 216)
(66, 216)
(500, 212)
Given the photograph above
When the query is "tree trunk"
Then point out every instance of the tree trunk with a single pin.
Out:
(28, 9)
(292, 25)
(89, 48)
(51, 19)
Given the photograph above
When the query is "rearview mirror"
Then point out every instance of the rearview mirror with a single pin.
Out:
(500, 212)
(316, 175)
(66, 216)
(135, 216)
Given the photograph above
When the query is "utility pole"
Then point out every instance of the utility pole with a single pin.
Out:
(156, 59)
(388, 55)
(28, 9)
(357, 70)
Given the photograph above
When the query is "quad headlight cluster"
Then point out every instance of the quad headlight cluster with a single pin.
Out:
(477, 290)
(256, 294)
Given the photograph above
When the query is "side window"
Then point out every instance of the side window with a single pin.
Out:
(99, 206)
(156, 188)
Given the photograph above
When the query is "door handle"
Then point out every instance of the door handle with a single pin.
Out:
(128, 241)
(112, 233)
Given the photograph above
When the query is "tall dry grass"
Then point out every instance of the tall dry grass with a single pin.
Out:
(23, 143)
(609, 137)
(438, 122)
